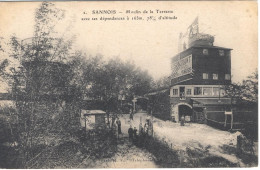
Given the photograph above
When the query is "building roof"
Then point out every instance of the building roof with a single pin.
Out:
(212, 101)
(203, 46)
(157, 92)
(92, 112)
(215, 47)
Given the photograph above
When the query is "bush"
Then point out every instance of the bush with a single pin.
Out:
(165, 156)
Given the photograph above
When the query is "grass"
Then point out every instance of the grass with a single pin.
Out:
(166, 157)
(71, 154)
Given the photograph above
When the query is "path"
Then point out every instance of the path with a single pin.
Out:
(193, 136)
(127, 156)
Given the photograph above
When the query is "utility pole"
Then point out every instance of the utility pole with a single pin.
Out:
(134, 101)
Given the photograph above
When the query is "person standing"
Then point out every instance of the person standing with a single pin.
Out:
(146, 126)
(113, 120)
(141, 135)
(141, 129)
(135, 132)
(118, 122)
(182, 120)
(130, 133)
(135, 136)
(131, 114)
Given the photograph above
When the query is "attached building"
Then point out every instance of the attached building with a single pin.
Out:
(200, 72)
(199, 75)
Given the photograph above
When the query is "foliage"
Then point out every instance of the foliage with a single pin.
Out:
(247, 91)
(163, 82)
(234, 91)
(3, 65)
(48, 82)
(250, 88)
(3, 62)
(40, 80)
(110, 81)
(1, 46)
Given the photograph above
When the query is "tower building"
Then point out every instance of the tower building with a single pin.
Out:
(199, 73)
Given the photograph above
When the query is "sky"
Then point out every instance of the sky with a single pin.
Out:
(150, 44)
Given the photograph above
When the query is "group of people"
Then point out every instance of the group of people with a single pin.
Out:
(138, 138)
(135, 136)
(117, 121)
(132, 133)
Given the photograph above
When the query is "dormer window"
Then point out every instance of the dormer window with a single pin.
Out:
(205, 52)
(215, 76)
(227, 77)
(221, 52)
(205, 76)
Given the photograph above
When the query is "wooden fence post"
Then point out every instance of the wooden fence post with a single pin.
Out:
(239, 144)
(231, 120)
(181, 157)
(225, 121)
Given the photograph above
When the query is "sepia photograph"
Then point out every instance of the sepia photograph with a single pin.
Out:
(128, 84)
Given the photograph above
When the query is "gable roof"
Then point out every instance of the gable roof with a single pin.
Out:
(92, 112)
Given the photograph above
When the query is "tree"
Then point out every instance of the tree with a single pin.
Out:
(41, 71)
(163, 82)
(84, 70)
(111, 81)
(3, 63)
(122, 80)
(48, 45)
(141, 83)
(234, 91)
(46, 67)
(247, 91)
(250, 88)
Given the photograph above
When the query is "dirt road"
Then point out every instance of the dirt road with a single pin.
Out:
(191, 136)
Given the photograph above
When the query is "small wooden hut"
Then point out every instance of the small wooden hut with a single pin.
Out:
(93, 119)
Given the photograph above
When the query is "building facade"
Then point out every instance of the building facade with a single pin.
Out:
(200, 72)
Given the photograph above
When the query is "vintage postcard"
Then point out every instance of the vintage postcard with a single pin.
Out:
(128, 84)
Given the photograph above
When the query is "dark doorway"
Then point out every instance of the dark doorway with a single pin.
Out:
(184, 111)
(142, 104)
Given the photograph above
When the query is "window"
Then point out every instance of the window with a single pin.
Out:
(197, 90)
(222, 92)
(227, 77)
(207, 91)
(216, 91)
(221, 52)
(175, 92)
(215, 76)
(188, 92)
(205, 52)
(205, 76)
(182, 91)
